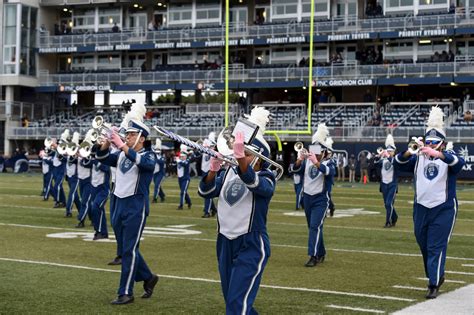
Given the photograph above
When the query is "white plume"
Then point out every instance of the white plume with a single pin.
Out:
(75, 138)
(435, 120)
(321, 134)
(183, 148)
(157, 144)
(212, 137)
(65, 136)
(450, 146)
(260, 117)
(138, 110)
(390, 141)
(329, 142)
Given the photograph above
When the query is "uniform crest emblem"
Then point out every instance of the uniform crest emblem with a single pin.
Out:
(235, 191)
(126, 165)
(207, 157)
(431, 171)
(432, 133)
(313, 172)
(387, 166)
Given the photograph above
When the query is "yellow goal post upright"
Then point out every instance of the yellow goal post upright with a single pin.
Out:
(309, 84)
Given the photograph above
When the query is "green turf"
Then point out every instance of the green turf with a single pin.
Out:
(25, 221)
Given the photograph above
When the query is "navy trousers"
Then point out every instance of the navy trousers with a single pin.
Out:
(58, 189)
(85, 189)
(73, 196)
(433, 228)
(157, 191)
(112, 203)
(209, 205)
(299, 197)
(315, 208)
(183, 195)
(241, 264)
(389, 192)
(48, 185)
(128, 222)
(99, 219)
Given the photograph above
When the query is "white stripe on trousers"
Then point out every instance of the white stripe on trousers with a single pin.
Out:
(320, 224)
(259, 270)
(87, 208)
(185, 192)
(73, 198)
(134, 254)
(48, 188)
(391, 205)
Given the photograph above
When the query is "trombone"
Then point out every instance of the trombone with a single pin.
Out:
(225, 142)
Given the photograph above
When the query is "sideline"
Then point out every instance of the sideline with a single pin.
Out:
(458, 302)
(373, 296)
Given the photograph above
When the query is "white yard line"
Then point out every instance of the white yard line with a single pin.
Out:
(357, 251)
(457, 302)
(460, 273)
(356, 309)
(446, 280)
(408, 287)
(467, 265)
(373, 296)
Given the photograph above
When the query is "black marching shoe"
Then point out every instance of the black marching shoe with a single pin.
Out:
(162, 199)
(433, 290)
(149, 285)
(56, 205)
(387, 225)
(117, 261)
(189, 205)
(154, 200)
(179, 208)
(312, 262)
(98, 236)
(206, 215)
(80, 224)
(68, 215)
(394, 223)
(320, 259)
(123, 299)
(213, 212)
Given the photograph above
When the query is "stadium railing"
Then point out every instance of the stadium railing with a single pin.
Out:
(16, 110)
(348, 71)
(289, 28)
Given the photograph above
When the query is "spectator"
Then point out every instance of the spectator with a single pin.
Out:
(378, 9)
(364, 167)
(302, 62)
(258, 61)
(57, 29)
(323, 98)
(352, 168)
(143, 66)
(332, 98)
(243, 104)
(152, 26)
(42, 29)
(115, 28)
(24, 121)
(452, 8)
(74, 108)
(450, 56)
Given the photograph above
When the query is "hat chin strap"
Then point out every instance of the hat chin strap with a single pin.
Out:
(136, 141)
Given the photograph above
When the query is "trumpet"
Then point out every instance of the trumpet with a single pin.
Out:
(415, 145)
(225, 142)
(62, 148)
(48, 142)
(380, 150)
(85, 149)
(299, 147)
(72, 149)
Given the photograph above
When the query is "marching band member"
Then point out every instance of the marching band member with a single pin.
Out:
(389, 181)
(72, 180)
(182, 167)
(47, 169)
(435, 205)
(318, 172)
(133, 177)
(244, 192)
(209, 206)
(59, 168)
(84, 174)
(298, 185)
(159, 172)
(100, 186)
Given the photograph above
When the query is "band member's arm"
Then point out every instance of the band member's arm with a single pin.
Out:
(262, 184)
(327, 169)
(211, 183)
(104, 168)
(87, 163)
(405, 161)
(144, 161)
(455, 163)
(105, 156)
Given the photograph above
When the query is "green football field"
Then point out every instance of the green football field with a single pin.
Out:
(48, 266)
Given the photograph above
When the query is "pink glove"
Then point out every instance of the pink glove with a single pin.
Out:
(385, 154)
(431, 152)
(115, 139)
(215, 165)
(312, 157)
(239, 149)
(302, 155)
